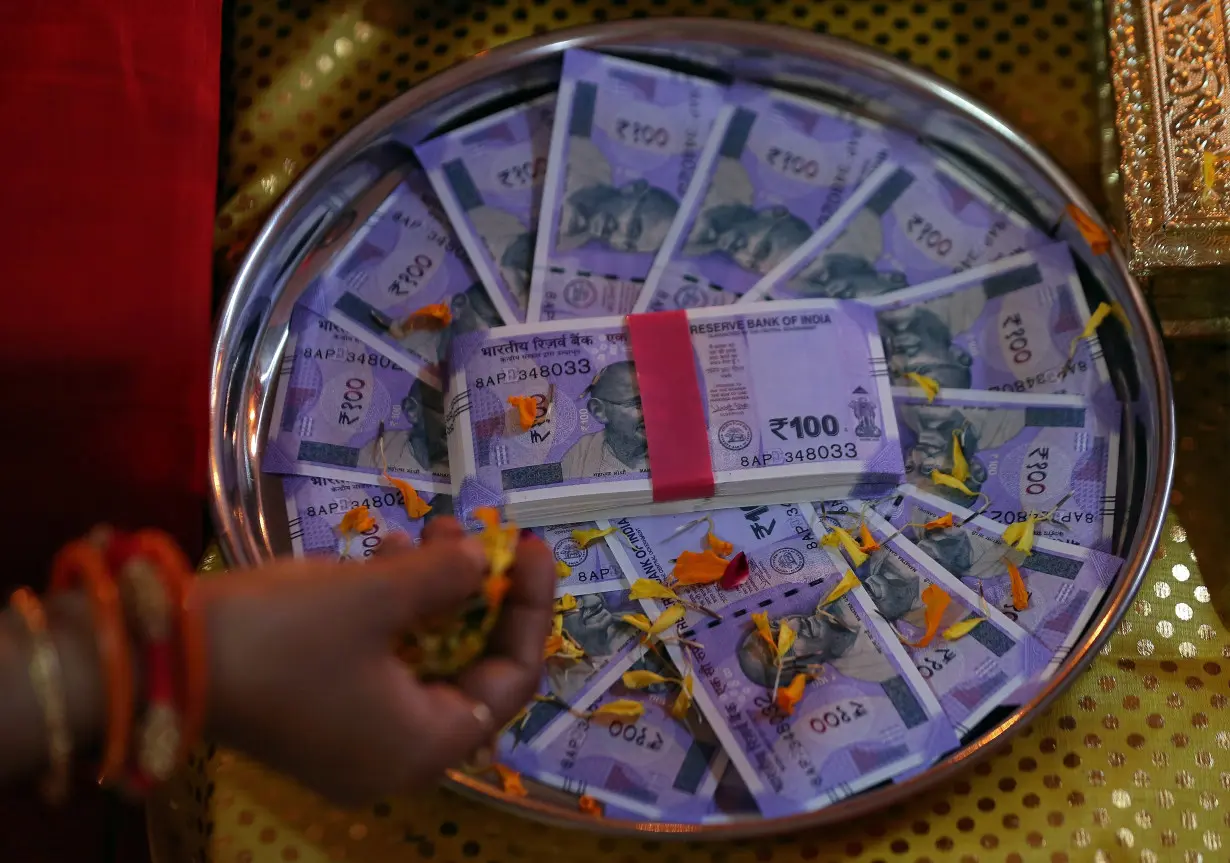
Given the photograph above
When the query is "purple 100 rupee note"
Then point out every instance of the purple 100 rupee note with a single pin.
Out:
(315, 507)
(1064, 582)
(769, 430)
(776, 167)
(970, 674)
(1054, 455)
(489, 177)
(336, 396)
(405, 257)
(1008, 326)
(910, 222)
(654, 766)
(865, 717)
(625, 144)
(592, 569)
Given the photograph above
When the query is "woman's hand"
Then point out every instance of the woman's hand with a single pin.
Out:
(304, 677)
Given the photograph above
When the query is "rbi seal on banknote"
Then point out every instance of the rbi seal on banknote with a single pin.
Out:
(580, 293)
(787, 561)
(734, 435)
(865, 410)
(690, 296)
(570, 552)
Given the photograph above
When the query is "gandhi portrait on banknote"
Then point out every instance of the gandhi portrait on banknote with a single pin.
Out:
(599, 632)
(897, 591)
(511, 244)
(423, 446)
(845, 269)
(824, 638)
(938, 428)
(613, 399)
(918, 340)
(633, 217)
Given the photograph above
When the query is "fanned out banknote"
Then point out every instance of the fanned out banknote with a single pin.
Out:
(771, 433)
(655, 766)
(344, 411)
(1055, 456)
(910, 222)
(865, 714)
(1064, 582)
(315, 508)
(775, 168)
(626, 141)
(489, 177)
(404, 259)
(970, 673)
(1014, 325)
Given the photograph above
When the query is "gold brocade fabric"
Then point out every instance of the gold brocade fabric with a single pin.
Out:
(1132, 763)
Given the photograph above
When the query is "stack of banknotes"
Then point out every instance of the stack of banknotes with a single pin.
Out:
(912, 429)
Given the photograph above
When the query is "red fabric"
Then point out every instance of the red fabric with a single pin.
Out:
(679, 464)
(110, 117)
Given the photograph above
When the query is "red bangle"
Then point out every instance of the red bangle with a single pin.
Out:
(82, 564)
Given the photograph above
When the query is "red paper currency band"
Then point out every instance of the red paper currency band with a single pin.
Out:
(679, 463)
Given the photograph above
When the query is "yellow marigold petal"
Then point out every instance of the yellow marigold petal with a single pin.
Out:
(510, 781)
(785, 639)
(943, 521)
(941, 478)
(848, 582)
(667, 619)
(433, 317)
(1100, 314)
(1095, 236)
(589, 806)
(586, 538)
(356, 520)
(567, 602)
(1020, 535)
(647, 588)
(495, 587)
(789, 696)
(527, 410)
(1020, 595)
(562, 570)
(683, 701)
(935, 602)
(961, 628)
(557, 624)
(642, 679)
(867, 542)
(960, 467)
(857, 556)
(929, 386)
(719, 546)
(622, 708)
(698, 568)
(415, 506)
(761, 619)
(570, 649)
(638, 621)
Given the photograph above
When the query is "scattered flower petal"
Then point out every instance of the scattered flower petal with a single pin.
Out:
(510, 781)
(1020, 594)
(867, 542)
(356, 520)
(554, 644)
(488, 516)
(941, 478)
(622, 708)
(857, 555)
(415, 506)
(1100, 314)
(647, 588)
(1095, 236)
(785, 639)
(589, 806)
(789, 696)
(638, 621)
(960, 467)
(1020, 535)
(567, 602)
(586, 538)
(736, 572)
(643, 679)
(717, 545)
(666, 620)
(929, 386)
(761, 619)
(940, 523)
(935, 601)
(683, 701)
(495, 587)
(961, 628)
(527, 410)
(436, 316)
(698, 568)
(562, 570)
(848, 582)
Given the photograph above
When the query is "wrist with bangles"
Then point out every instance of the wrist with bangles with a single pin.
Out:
(149, 634)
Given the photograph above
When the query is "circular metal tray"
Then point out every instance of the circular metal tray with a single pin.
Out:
(332, 198)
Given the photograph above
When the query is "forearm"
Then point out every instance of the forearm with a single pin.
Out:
(23, 728)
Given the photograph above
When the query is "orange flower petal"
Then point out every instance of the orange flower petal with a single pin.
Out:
(510, 781)
(698, 568)
(1095, 236)
(527, 410)
(1020, 595)
(553, 645)
(943, 521)
(489, 516)
(867, 542)
(935, 601)
(719, 546)
(789, 696)
(589, 806)
(356, 520)
(495, 587)
(415, 506)
(437, 316)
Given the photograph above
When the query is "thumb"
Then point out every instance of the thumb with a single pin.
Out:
(427, 581)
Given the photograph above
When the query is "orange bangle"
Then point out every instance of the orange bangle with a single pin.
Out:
(47, 679)
(193, 672)
(81, 564)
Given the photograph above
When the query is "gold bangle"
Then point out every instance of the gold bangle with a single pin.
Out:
(48, 682)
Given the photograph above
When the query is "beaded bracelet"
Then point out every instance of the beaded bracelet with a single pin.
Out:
(48, 681)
